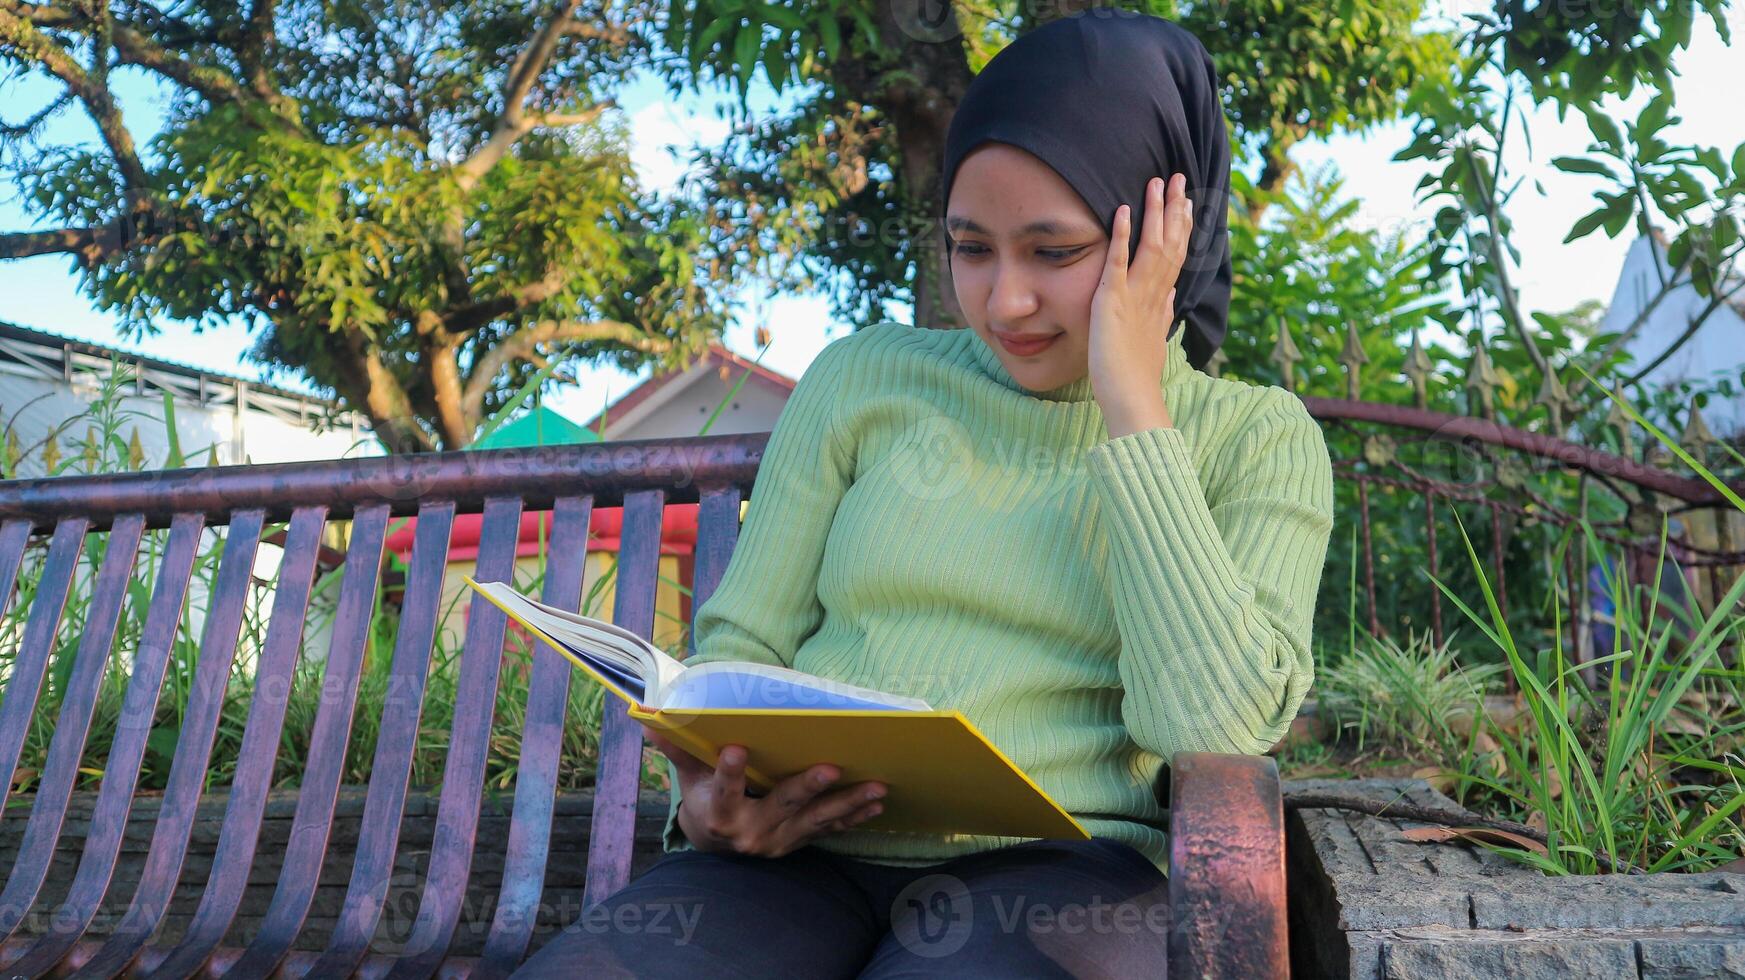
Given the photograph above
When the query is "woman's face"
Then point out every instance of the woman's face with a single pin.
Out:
(1026, 260)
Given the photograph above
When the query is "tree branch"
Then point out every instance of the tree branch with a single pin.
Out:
(521, 346)
(32, 45)
(1690, 331)
(90, 243)
(368, 384)
(513, 122)
(508, 133)
(133, 48)
(251, 53)
(470, 318)
(1493, 245)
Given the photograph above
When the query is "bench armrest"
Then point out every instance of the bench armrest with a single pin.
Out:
(1226, 867)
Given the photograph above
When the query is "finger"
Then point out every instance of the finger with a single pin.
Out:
(793, 793)
(1180, 225)
(838, 805)
(730, 776)
(1156, 214)
(856, 818)
(1115, 265)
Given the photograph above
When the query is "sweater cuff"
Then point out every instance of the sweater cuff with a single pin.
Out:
(672, 838)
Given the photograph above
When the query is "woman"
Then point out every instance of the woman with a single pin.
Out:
(1050, 521)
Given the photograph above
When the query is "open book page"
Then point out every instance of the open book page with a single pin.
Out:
(637, 667)
(736, 684)
(645, 674)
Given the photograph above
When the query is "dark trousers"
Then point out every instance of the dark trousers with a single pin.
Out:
(1091, 908)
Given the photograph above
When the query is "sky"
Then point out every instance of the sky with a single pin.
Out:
(43, 292)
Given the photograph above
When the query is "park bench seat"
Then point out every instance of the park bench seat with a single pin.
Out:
(1226, 861)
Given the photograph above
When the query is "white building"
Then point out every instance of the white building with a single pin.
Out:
(678, 403)
(47, 382)
(1717, 348)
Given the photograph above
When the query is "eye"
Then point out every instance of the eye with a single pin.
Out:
(967, 248)
(1058, 253)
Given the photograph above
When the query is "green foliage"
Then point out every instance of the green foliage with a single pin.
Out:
(1307, 263)
(1404, 696)
(1637, 770)
(838, 194)
(406, 212)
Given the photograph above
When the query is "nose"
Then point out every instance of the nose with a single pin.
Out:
(1011, 298)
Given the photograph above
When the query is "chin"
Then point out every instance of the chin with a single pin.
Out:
(1035, 380)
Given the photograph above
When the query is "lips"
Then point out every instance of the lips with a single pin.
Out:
(1025, 346)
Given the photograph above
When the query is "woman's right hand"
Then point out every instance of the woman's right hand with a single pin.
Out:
(716, 814)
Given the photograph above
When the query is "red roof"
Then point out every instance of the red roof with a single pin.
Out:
(717, 356)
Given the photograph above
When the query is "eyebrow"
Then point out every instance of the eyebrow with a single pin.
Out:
(1042, 227)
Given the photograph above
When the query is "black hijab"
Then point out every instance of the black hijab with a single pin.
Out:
(1110, 99)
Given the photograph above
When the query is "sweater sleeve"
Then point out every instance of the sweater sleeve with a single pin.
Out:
(767, 604)
(1214, 594)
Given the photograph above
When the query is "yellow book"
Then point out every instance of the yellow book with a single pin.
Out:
(943, 776)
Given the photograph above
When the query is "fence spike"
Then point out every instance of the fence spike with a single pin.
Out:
(1696, 437)
(1418, 369)
(1286, 355)
(1354, 358)
(1555, 399)
(1482, 381)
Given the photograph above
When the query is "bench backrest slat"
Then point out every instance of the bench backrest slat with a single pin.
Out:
(612, 833)
(396, 741)
(463, 772)
(36, 645)
(541, 748)
(499, 485)
(318, 792)
(193, 753)
(269, 694)
(121, 773)
(717, 533)
(14, 537)
(73, 725)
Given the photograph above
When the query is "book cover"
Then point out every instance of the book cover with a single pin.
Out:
(943, 775)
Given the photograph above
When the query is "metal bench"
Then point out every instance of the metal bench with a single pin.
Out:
(1227, 860)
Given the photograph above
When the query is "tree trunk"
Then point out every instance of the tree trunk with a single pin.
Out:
(919, 93)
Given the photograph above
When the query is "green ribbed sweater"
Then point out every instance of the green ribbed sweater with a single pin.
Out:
(924, 525)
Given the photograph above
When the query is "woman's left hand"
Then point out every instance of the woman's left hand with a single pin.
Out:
(1134, 308)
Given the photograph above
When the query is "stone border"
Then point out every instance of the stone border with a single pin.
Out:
(1366, 904)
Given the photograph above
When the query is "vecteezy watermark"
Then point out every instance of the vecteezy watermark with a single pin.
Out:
(673, 919)
(933, 916)
(932, 459)
(935, 458)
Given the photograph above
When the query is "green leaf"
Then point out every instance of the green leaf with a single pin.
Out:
(745, 50)
(174, 460)
(833, 41)
(1582, 165)
(1587, 224)
(1604, 129)
(706, 41)
(783, 17)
